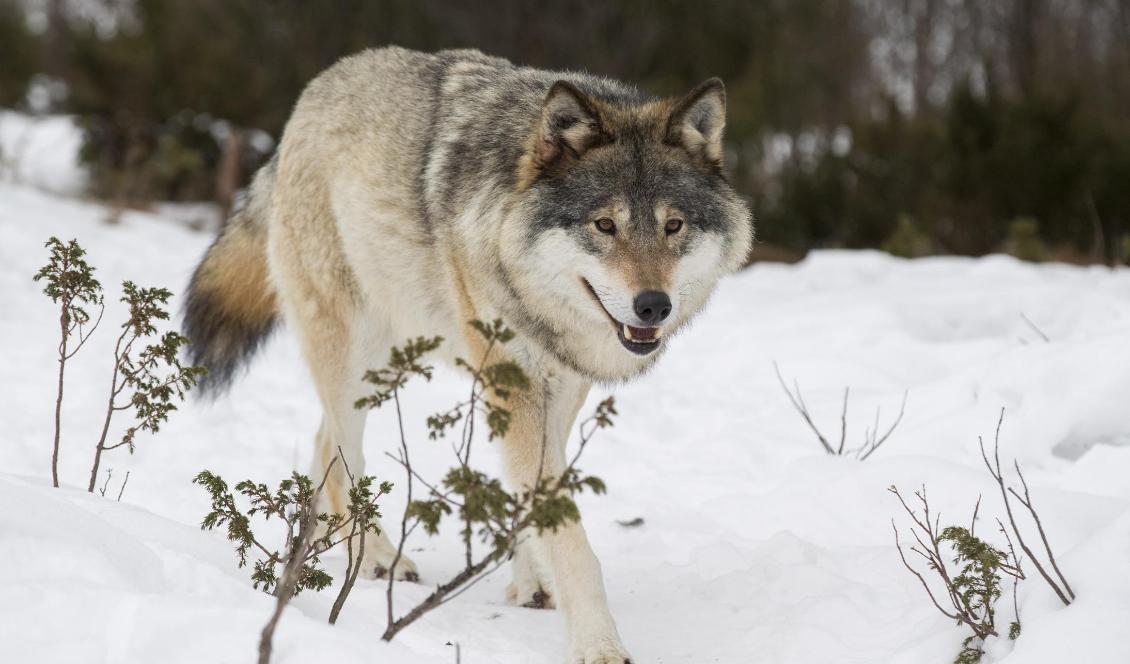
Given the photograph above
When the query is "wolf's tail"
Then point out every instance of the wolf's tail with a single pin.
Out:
(231, 307)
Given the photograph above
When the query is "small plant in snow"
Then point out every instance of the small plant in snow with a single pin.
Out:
(871, 436)
(294, 503)
(489, 514)
(148, 380)
(106, 484)
(70, 284)
(973, 586)
(973, 591)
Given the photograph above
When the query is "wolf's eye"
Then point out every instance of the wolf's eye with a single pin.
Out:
(606, 225)
(673, 226)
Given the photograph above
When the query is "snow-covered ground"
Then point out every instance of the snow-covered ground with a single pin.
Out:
(755, 547)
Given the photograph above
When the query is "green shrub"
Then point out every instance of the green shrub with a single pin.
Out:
(906, 241)
(1024, 240)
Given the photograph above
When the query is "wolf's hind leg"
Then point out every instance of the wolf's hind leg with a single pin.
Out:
(380, 551)
(339, 345)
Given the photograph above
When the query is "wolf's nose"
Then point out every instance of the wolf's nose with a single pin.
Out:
(653, 307)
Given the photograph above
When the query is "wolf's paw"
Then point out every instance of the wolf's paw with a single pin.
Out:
(376, 567)
(531, 585)
(599, 651)
(537, 598)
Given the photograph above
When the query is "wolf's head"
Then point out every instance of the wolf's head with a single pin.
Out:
(624, 225)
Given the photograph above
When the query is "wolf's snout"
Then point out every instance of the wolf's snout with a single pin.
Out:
(653, 307)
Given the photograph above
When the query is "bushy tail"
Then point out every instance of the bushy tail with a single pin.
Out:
(231, 306)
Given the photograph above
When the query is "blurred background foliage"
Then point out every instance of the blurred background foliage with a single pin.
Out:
(916, 126)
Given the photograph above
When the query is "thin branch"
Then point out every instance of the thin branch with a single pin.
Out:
(404, 518)
(353, 566)
(799, 405)
(289, 581)
(123, 489)
(442, 495)
(843, 422)
(84, 335)
(994, 469)
(921, 579)
(1015, 571)
(467, 586)
(1035, 329)
(100, 447)
(973, 521)
(875, 445)
(1027, 503)
(106, 484)
(440, 593)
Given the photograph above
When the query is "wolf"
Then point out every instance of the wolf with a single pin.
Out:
(412, 193)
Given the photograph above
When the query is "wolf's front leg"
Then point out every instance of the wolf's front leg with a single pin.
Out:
(542, 420)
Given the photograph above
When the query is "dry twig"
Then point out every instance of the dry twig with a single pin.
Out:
(297, 557)
(357, 530)
(1035, 329)
(871, 438)
(1058, 585)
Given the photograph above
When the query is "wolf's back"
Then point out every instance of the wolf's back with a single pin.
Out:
(231, 306)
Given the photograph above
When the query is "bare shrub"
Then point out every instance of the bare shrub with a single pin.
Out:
(1058, 583)
(872, 439)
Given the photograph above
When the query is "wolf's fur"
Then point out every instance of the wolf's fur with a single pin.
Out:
(412, 193)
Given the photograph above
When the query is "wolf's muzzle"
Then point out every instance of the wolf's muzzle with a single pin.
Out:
(639, 340)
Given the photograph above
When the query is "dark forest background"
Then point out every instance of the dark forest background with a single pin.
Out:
(917, 126)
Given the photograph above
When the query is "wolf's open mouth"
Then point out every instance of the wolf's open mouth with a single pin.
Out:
(639, 340)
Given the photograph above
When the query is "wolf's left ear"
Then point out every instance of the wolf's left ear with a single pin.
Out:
(570, 124)
(697, 120)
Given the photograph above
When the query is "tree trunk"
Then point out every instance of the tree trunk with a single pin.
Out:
(227, 176)
(59, 397)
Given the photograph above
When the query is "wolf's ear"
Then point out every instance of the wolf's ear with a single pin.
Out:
(570, 124)
(697, 120)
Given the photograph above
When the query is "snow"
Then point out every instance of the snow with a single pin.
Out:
(41, 151)
(755, 547)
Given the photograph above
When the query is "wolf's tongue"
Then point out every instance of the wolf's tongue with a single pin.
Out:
(641, 333)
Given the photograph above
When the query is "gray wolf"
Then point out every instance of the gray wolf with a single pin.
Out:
(412, 193)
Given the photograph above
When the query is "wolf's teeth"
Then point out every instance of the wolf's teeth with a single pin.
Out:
(628, 333)
(658, 333)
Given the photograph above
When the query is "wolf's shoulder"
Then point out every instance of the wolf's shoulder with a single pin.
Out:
(386, 57)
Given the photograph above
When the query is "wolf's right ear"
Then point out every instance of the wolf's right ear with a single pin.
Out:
(697, 120)
(570, 124)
